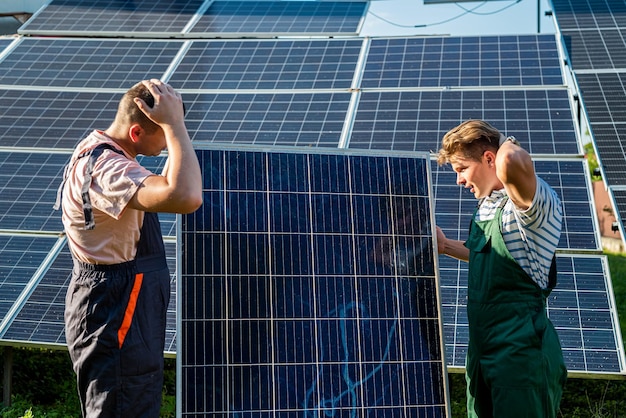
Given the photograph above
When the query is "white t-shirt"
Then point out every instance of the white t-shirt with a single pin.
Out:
(530, 235)
(115, 181)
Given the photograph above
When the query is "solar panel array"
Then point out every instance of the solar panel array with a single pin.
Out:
(593, 33)
(197, 18)
(362, 94)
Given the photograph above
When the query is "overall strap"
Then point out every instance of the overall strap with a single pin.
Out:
(93, 155)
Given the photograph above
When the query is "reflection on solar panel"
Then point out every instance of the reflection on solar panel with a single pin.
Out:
(86, 63)
(20, 257)
(281, 17)
(304, 119)
(40, 321)
(585, 319)
(463, 61)
(417, 120)
(28, 183)
(268, 64)
(112, 18)
(52, 119)
(454, 205)
(308, 285)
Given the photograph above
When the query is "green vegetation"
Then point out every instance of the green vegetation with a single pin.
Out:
(44, 386)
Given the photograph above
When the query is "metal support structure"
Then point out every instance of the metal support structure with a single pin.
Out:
(8, 376)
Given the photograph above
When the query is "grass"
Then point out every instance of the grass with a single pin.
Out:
(44, 385)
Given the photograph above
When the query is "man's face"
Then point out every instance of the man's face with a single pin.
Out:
(478, 176)
(153, 143)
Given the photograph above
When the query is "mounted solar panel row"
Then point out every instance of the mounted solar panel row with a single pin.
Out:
(308, 287)
(589, 14)
(40, 321)
(596, 49)
(166, 18)
(463, 61)
(284, 64)
(585, 319)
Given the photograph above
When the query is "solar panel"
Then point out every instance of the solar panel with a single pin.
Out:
(581, 308)
(274, 18)
(308, 287)
(268, 64)
(52, 119)
(463, 61)
(20, 258)
(455, 205)
(154, 18)
(417, 120)
(619, 196)
(40, 321)
(593, 49)
(86, 62)
(302, 119)
(28, 183)
(589, 14)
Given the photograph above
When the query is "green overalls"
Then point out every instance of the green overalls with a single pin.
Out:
(514, 364)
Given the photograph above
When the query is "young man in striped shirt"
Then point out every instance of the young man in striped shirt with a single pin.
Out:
(514, 364)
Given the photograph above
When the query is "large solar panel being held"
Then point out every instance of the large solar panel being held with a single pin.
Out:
(308, 287)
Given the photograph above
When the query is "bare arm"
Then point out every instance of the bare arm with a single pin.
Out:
(179, 189)
(450, 247)
(515, 169)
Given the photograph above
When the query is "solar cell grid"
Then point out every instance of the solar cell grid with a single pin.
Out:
(596, 49)
(275, 17)
(302, 119)
(116, 64)
(40, 321)
(20, 257)
(579, 307)
(28, 183)
(306, 305)
(119, 17)
(52, 119)
(269, 64)
(590, 14)
(416, 121)
(463, 61)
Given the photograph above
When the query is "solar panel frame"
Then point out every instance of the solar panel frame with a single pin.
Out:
(276, 18)
(86, 63)
(471, 61)
(130, 18)
(232, 175)
(417, 120)
(268, 64)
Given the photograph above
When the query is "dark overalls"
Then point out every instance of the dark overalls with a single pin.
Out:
(115, 318)
(514, 364)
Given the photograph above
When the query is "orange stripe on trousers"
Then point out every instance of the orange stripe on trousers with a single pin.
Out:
(130, 309)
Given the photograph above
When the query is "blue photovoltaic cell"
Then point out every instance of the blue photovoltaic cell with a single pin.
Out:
(53, 119)
(308, 287)
(580, 307)
(463, 61)
(619, 196)
(4, 43)
(268, 64)
(455, 205)
(302, 119)
(417, 120)
(20, 257)
(286, 17)
(41, 322)
(589, 14)
(85, 63)
(158, 18)
(596, 50)
(28, 185)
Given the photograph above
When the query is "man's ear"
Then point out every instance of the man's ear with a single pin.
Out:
(490, 157)
(134, 132)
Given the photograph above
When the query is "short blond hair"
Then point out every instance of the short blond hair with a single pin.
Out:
(468, 140)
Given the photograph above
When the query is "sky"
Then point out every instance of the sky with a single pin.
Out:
(500, 17)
